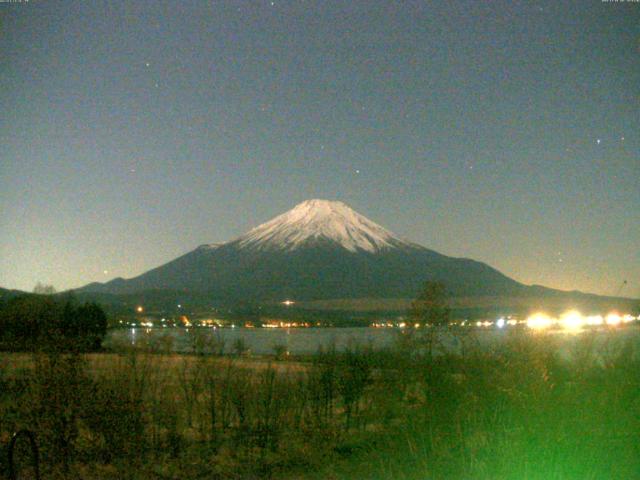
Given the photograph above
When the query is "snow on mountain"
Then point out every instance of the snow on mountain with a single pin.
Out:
(294, 255)
(320, 219)
(210, 246)
(318, 250)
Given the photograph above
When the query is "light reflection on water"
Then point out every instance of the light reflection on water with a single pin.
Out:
(298, 341)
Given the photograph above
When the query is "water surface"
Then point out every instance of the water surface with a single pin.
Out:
(300, 341)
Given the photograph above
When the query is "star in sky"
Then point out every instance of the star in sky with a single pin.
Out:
(347, 83)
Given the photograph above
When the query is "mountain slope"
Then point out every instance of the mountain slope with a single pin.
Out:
(317, 250)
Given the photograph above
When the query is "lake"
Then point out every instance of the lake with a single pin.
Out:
(300, 341)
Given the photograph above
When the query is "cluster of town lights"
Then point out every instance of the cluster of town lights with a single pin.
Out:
(570, 320)
(574, 320)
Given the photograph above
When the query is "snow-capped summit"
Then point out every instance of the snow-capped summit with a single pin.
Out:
(320, 249)
(320, 220)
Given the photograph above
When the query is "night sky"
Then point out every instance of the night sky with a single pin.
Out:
(507, 132)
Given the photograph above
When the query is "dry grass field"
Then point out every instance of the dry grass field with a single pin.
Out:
(518, 411)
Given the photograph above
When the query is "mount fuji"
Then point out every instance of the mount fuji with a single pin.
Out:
(319, 250)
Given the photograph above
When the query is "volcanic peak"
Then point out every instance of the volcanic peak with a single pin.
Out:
(320, 219)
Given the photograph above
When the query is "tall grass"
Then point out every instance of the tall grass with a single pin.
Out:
(526, 407)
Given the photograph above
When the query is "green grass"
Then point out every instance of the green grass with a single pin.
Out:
(531, 407)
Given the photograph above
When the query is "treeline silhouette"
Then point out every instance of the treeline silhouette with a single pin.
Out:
(47, 322)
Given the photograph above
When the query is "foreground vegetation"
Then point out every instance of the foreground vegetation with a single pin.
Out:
(524, 409)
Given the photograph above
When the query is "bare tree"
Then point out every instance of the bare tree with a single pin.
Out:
(42, 289)
(430, 310)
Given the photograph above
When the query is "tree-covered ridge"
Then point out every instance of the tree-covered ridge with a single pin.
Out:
(35, 322)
